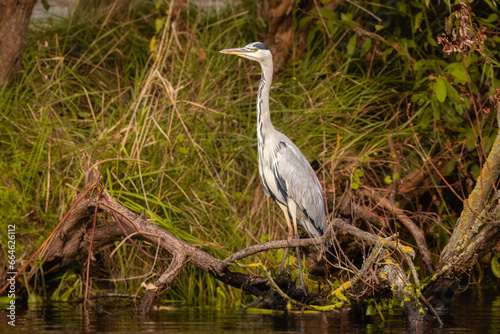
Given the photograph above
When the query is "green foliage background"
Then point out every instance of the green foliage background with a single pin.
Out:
(178, 140)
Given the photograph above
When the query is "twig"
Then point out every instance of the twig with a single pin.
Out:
(432, 309)
(413, 270)
(395, 169)
(87, 275)
(165, 280)
(408, 223)
(362, 272)
(275, 286)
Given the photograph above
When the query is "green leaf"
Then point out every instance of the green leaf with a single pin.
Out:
(45, 4)
(328, 14)
(470, 145)
(370, 310)
(475, 171)
(453, 96)
(388, 179)
(365, 47)
(418, 21)
(351, 45)
(431, 40)
(152, 44)
(420, 65)
(159, 23)
(303, 21)
(495, 266)
(5, 300)
(492, 18)
(387, 52)
(354, 185)
(358, 173)
(450, 167)
(440, 89)
(458, 72)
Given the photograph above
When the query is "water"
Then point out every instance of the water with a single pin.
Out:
(475, 311)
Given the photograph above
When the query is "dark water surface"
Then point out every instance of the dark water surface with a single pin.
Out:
(475, 311)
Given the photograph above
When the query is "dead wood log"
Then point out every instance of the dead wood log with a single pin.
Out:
(475, 234)
(14, 18)
(74, 238)
(73, 241)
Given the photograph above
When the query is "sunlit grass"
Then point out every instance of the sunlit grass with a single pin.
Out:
(175, 133)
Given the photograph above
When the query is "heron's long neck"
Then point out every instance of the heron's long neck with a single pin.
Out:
(263, 114)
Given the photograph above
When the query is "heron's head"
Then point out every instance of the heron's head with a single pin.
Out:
(254, 51)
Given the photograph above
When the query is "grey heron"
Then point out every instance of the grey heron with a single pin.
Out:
(286, 175)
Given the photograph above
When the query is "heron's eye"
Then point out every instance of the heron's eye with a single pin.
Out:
(255, 49)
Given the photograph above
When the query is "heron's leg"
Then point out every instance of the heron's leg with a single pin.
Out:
(290, 234)
(302, 281)
(292, 207)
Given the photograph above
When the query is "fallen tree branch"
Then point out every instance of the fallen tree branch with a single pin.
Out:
(74, 239)
(393, 274)
(277, 244)
(47, 241)
(163, 282)
(337, 224)
(475, 233)
(68, 245)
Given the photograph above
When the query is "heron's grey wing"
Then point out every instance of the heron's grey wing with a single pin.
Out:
(296, 176)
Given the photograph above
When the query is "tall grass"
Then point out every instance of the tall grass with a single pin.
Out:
(173, 132)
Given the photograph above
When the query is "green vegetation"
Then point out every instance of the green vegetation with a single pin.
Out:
(174, 130)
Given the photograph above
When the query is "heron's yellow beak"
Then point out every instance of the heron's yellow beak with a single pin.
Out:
(237, 51)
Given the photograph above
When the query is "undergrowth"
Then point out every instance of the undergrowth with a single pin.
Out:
(172, 125)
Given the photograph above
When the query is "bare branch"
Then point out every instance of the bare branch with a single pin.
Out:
(417, 233)
(277, 244)
(163, 282)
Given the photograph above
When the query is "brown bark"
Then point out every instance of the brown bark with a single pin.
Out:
(164, 281)
(14, 18)
(73, 242)
(476, 232)
(279, 36)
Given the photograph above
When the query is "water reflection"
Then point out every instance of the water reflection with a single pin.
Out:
(474, 311)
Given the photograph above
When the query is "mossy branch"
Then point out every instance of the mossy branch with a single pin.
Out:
(472, 233)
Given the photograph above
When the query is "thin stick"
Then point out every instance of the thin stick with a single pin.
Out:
(87, 278)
